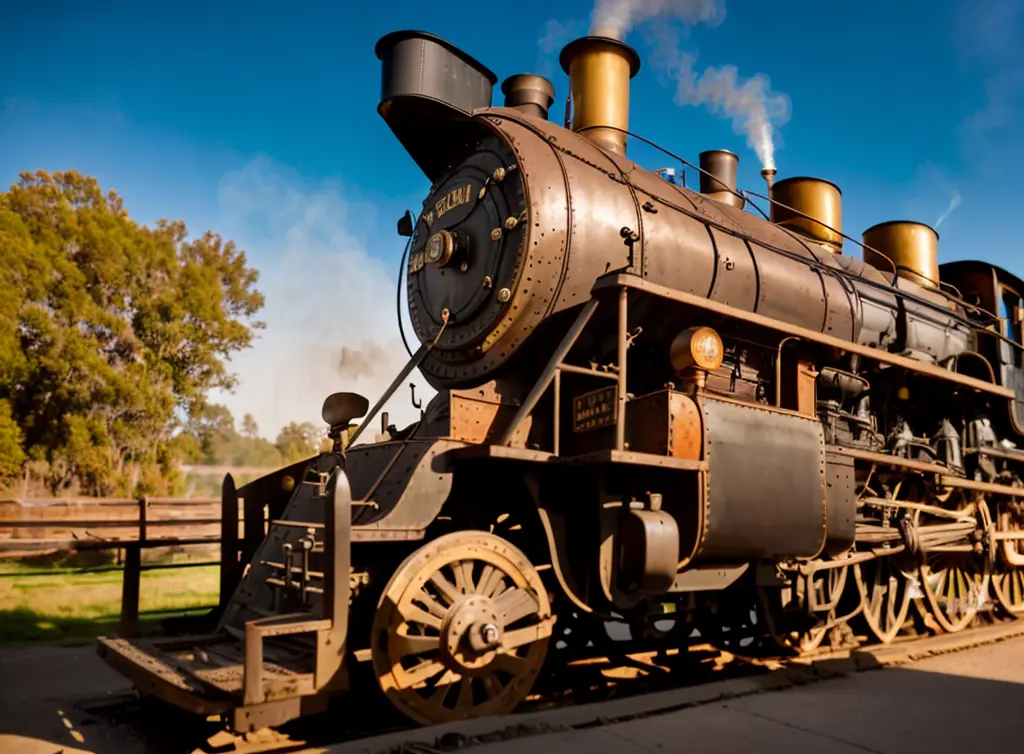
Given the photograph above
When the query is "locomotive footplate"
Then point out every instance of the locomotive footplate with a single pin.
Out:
(206, 675)
(153, 672)
(268, 662)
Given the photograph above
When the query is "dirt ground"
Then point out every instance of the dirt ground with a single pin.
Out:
(67, 697)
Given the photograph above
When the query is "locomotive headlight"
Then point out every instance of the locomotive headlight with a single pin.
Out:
(439, 249)
(447, 247)
(697, 346)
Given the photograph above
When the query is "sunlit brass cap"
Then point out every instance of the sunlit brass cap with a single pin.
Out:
(818, 206)
(577, 46)
(600, 69)
(912, 248)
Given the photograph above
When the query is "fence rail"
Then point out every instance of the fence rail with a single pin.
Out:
(139, 517)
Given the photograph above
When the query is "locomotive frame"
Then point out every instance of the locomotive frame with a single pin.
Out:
(523, 511)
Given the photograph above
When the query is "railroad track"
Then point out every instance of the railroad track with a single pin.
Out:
(588, 691)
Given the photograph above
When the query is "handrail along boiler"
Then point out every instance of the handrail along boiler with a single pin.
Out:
(653, 407)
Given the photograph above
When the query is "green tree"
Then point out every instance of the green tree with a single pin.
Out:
(214, 440)
(249, 427)
(12, 456)
(298, 441)
(111, 333)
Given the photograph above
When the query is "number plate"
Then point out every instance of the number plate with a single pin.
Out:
(595, 409)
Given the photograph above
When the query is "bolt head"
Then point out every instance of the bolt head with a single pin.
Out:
(489, 633)
(511, 222)
(496, 234)
(504, 295)
(499, 174)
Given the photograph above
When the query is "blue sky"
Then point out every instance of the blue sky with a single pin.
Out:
(258, 120)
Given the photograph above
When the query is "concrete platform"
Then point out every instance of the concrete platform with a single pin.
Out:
(54, 700)
(957, 702)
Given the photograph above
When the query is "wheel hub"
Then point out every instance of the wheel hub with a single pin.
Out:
(471, 634)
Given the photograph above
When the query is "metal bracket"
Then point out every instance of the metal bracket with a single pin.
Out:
(320, 484)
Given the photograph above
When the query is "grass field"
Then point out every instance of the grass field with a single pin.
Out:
(53, 601)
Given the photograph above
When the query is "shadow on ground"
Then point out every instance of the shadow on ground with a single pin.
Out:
(62, 692)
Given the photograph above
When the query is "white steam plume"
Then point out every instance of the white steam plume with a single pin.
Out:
(954, 202)
(615, 18)
(751, 104)
(330, 305)
(932, 178)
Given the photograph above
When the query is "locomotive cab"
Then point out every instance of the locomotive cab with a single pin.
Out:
(997, 297)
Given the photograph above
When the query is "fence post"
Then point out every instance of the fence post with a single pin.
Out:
(131, 580)
(228, 539)
(130, 589)
(143, 518)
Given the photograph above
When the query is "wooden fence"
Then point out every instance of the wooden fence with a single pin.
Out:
(129, 526)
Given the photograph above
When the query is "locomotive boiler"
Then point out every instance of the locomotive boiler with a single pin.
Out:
(654, 407)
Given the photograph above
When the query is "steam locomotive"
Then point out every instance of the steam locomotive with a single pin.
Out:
(654, 408)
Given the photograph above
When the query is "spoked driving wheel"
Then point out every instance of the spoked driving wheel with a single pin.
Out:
(799, 617)
(1008, 564)
(954, 573)
(884, 595)
(461, 630)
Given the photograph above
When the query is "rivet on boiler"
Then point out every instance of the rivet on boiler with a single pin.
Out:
(496, 234)
(504, 295)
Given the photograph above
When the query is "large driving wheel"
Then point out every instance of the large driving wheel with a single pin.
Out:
(884, 595)
(1007, 571)
(955, 579)
(461, 630)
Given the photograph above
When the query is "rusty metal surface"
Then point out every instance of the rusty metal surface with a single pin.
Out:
(157, 677)
(665, 423)
(884, 357)
(481, 414)
(702, 578)
(841, 503)
(776, 507)
(413, 489)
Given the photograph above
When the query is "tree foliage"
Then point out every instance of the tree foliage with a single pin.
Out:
(213, 439)
(111, 335)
